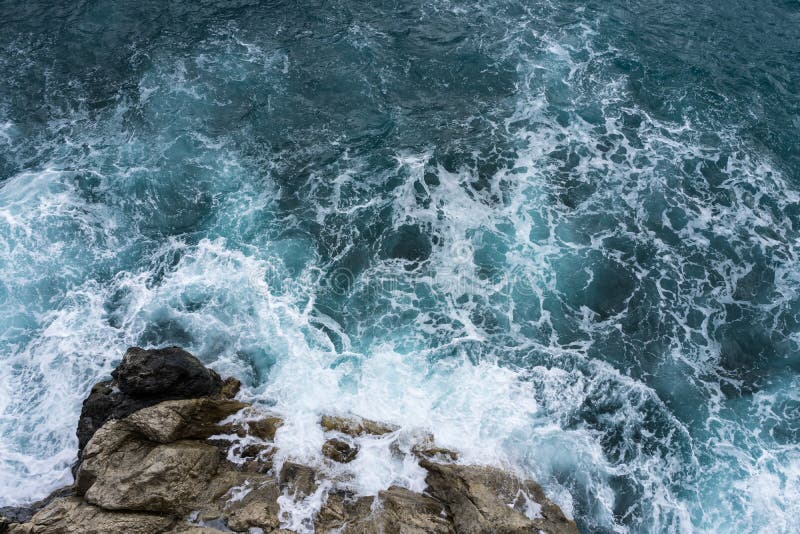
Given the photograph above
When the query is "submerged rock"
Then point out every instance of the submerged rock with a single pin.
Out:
(409, 243)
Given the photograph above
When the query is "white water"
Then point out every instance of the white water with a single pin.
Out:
(82, 279)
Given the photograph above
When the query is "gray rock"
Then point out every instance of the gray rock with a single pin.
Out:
(170, 421)
(339, 451)
(258, 509)
(154, 461)
(299, 479)
(145, 378)
(406, 512)
(72, 515)
(264, 428)
(355, 426)
(426, 448)
(22, 514)
(194, 529)
(487, 499)
(343, 513)
(106, 402)
(230, 388)
(397, 510)
(124, 471)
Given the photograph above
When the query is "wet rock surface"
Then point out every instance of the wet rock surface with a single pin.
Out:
(409, 512)
(355, 426)
(343, 512)
(339, 450)
(298, 480)
(394, 510)
(426, 448)
(204, 465)
(258, 509)
(487, 499)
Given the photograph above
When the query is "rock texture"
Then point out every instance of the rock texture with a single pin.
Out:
(138, 475)
(73, 515)
(339, 450)
(205, 464)
(487, 499)
(184, 419)
(395, 510)
(355, 426)
(145, 378)
(426, 448)
(258, 509)
(21, 514)
(298, 480)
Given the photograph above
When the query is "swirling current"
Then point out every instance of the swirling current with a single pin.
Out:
(564, 235)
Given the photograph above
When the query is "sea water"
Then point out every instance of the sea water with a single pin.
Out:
(562, 236)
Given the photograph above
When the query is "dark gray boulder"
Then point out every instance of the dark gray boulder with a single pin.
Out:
(171, 372)
(142, 379)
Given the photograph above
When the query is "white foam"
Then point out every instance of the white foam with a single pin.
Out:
(517, 396)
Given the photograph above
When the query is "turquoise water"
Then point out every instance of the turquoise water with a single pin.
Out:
(565, 236)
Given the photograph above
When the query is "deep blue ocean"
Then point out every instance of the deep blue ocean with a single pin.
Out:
(562, 235)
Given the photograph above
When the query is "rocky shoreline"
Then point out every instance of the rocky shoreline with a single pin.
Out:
(164, 447)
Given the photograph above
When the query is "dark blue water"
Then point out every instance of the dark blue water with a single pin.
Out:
(565, 236)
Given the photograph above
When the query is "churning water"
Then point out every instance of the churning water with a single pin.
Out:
(562, 235)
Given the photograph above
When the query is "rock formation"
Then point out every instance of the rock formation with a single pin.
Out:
(145, 378)
(165, 448)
